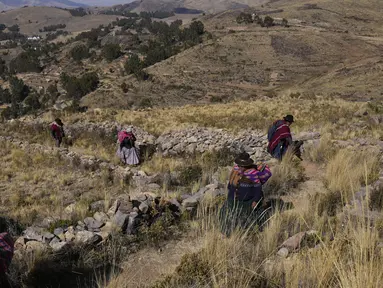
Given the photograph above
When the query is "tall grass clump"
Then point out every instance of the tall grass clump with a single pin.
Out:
(348, 169)
(286, 175)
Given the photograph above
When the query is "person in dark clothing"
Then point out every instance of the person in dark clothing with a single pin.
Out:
(57, 131)
(280, 139)
(243, 206)
(127, 151)
(6, 255)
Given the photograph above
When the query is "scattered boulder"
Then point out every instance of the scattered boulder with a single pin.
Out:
(36, 246)
(283, 252)
(57, 246)
(101, 217)
(84, 236)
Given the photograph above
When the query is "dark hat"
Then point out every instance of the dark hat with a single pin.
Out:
(244, 160)
(289, 118)
(58, 121)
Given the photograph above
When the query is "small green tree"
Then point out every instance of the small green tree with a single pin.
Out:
(3, 68)
(111, 52)
(285, 23)
(268, 21)
(32, 102)
(244, 18)
(19, 90)
(79, 52)
(2, 27)
(5, 96)
(133, 64)
(25, 62)
(14, 28)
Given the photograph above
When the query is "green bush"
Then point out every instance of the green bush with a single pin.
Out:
(19, 90)
(25, 62)
(193, 271)
(78, 87)
(5, 96)
(3, 68)
(190, 174)
(268, 21)
(79, 52)
(14, 28)
(111, 52)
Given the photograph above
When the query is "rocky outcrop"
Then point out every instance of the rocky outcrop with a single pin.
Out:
(125, 215)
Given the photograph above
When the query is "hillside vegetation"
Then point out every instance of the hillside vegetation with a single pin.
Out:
(196, 95)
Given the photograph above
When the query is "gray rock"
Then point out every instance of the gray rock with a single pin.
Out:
(113, 209)
(20, 243)
(47, 237)
(283, 252)
(84, 236)
(124, 204)
(119, 219)
(36, 246)
(58, 246)
(70, 209)
(97, 206)
(34, 233)
(144, 207)
(58, 231)
(101, 217)
(190, 202)
(294, 242)
(92, 224)
(54, 240)
(69, 236)
(132, 221)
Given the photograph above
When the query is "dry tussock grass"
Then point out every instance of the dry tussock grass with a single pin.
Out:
(349, 169)
(257, 114)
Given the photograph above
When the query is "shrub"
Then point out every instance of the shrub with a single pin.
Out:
(190, 174)
(133, 65)
(111, 52)
(78, 12)
(5, 96)
(78, 87)
(25, 62)
(79, 52)
(364, 166)
(193, 271)
(14, 28)
(268, 21)
(19, 90)
(145, 103)
(376, 198)
(328, 203)
(244, 18)
(3, 68)
(52, 28)
(32, 102)
(2, 27)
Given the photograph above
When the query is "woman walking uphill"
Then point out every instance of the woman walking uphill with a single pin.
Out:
(243, 207)
(57, 131)
(127, 151)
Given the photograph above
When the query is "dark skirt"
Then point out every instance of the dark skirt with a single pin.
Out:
(241, 215)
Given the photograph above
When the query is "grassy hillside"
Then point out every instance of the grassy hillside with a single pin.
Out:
(31, 19)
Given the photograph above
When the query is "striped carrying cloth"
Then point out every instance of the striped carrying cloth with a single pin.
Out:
(6, 251)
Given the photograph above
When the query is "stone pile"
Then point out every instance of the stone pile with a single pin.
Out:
(126, 215)
(200, 140)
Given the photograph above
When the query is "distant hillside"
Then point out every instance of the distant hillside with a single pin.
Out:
(11, 4)
(32, 19)
(204, 5)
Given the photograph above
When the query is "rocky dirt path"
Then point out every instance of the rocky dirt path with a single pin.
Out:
(148, 265)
